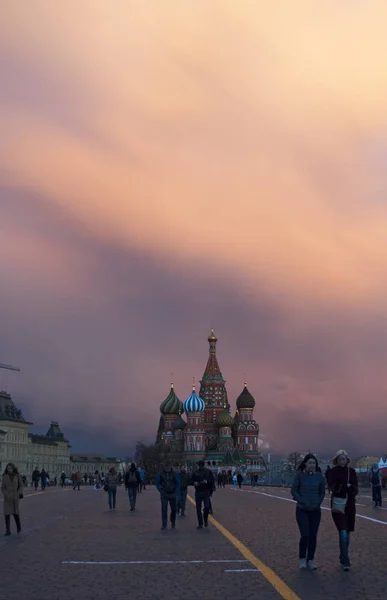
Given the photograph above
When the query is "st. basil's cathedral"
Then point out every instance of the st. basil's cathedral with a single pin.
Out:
(209, 432)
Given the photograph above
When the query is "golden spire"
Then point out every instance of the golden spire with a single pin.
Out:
(172, 384)
(212, 337)
(245, 384)
(193, 384)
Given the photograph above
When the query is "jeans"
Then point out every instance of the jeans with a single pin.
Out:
(172, 501)
(112, 493)
(344, 540)
(377, 494)
(308, 524)
(132, 493)
(181, 502)
(202, 497)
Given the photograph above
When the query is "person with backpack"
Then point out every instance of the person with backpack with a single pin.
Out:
(203, 481)
(132, 481)
(376, 482)
(168, 484)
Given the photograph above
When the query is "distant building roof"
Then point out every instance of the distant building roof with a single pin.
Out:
(8, 410)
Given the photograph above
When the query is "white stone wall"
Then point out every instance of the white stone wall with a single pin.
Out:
(14, 445)
(17, 447)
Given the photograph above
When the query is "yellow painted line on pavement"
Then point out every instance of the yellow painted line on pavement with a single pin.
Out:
(284, 590)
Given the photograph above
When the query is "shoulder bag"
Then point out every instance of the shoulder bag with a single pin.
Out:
(339, 504)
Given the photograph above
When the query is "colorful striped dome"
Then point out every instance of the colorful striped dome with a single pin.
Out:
(171, 405)
(194, 404)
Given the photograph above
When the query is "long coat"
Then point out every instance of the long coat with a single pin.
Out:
(338, 480)
(11, 488)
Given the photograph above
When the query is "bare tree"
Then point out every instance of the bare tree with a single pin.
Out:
(293, 461)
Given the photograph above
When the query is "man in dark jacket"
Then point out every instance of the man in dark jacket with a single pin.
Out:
(36, 478)
(185, 481)
(132, 481)
(168, 484)
(203, 480)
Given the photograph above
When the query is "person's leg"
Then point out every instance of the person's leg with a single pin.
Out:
(110, 499)
(314, 524)
(17, 521)
(172, 504)
(303, 526)
(164, 512)
(183, 502)
(379, 496)
(114, 498)
(206, 507)
(134, 497)
(198, 502)
(7, 519)
(344, 540)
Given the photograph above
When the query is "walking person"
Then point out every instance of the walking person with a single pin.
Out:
(203, 480)
(63, 479)
(77, 481)
(344, 486)
(240, 480)
(43, 480)
(168, 484)
(36, 478)
(12, 490)
(185, 481)
(132, 482)
(376, 482)
(110, 487)
(308, 490)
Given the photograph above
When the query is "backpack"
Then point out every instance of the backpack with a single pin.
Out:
(132, 477)
(169, 483)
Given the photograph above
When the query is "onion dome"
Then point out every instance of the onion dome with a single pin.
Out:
(225, 419)
(179, 423)
(194, 404)
(245, 399)
(171, 405)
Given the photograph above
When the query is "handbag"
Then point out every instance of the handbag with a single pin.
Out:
(106, 487)
(339, 504)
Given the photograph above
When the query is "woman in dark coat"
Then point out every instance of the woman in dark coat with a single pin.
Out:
(344, 487)
(12, 490)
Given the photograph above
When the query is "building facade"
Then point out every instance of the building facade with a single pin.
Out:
(209, 431)
(50, 452)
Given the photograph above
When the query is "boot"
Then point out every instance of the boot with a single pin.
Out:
(7, 525)
(17, 521)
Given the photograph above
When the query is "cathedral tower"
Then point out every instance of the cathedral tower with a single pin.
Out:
(214, 393)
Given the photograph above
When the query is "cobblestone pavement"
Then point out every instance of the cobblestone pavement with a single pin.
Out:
(63, 530)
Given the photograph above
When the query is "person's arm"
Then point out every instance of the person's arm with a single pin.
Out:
(353, 487)
(158, 482)
(295, 488)
(3, 487)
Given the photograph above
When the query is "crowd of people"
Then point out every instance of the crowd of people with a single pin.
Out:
(308, 491)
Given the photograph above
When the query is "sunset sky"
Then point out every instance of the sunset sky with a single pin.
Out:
(166, 166)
